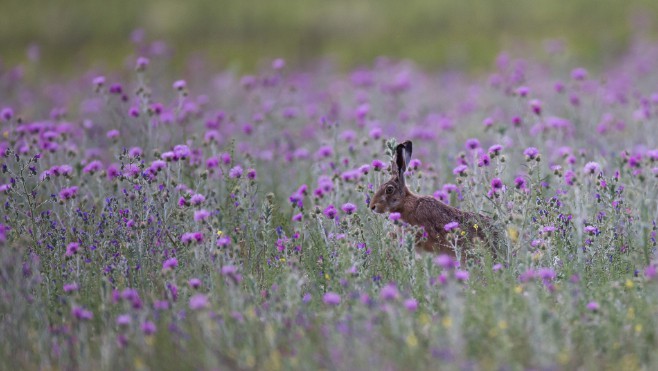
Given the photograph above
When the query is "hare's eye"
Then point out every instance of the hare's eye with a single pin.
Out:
(389, 190)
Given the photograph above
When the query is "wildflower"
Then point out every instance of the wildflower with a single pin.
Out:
(389, 292)
(81, 313)
(170, 264)
(546, 274)
(223, 241)
(531, 153)
(484, 161)
(123, 320)
(7, 113)
(472, 144)
(72, 249)
(364, 169)
(98, 81)
(461, 275)
(201, 215)
(251, 174)
(235, 172)
(451, 226)
(331, 298)
(445, 261)
(377, 165)
(535, 105)
(411, 304)
(71, 287)
(579, 74)
(348, 208)
(194, 283)
(591, 230)
(592, 168)
(325, 152)
(415, 164)
(179, 85)
(520, 183)
(198, 302)
(488, 122)
(593, 306)
(460, 170)
(297, 217)
(330, 211)
(92, 167)
(142, 63)
(650, 271)
(4, 188)
(197, 199)
(190, 237)
(278, 64)
(394, 216)
(523, 91)
(113, 134)
(148, 328)
(497, 185)
(375, 133)
(68, 193)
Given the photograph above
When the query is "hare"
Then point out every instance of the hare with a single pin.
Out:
(430, 214)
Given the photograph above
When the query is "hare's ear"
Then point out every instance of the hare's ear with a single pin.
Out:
(400, 162)
(407, 153)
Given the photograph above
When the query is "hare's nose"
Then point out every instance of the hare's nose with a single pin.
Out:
(372, 207)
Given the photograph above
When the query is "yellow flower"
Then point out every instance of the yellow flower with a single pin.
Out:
(629, 284)
(518, 289)
(282, 260)
(326, 276)
(220, 233)
(513, 233)
(463, 233)
(446, 322)
(412, 341)
(502, 324)
(638, 328)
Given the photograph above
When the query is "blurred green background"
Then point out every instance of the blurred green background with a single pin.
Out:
(435, 33)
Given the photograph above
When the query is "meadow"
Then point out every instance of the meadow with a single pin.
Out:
(213, 220)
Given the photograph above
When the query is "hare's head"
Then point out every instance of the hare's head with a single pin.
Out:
(390, 195)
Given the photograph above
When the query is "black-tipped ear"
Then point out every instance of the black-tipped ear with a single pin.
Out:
(400, 161)
(408, 149)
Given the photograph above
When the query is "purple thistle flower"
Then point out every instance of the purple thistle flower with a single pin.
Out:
(179, 85)
(579, 74)
(394, 216)
(223, 241)
(592, 168)
(593, 306)
(251, 174)
(650, 271)
(113, 134)
(297, 217)
(123, 320)
(235, 172)
(450, 226)
(331, 298)
(415, 164)
(199, 302)
(93, 167)
(71, 287)
(546, 274)
(231, 272)
(81, 313)
(520, 183)
(472, 144)
(194, 283)
(377, 165)
(461, 275)
(72, 249)
(460, 170)
(348, 208)
(148, 328)
(201, 215)
(389, 292)
(7, 113)
(330, 211)
(68, 193)
(170, 264)
(497, 185)
(531, 153)
(98, 81)
(411, 304)
(197, 199)
(445, 261)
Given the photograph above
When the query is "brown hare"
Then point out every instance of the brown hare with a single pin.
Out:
(432, 215)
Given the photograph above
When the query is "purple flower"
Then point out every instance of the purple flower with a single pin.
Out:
(450, 226)
(142, 63)
(324, 152)
(194, 283)
(411, 304)
(235, 172)
(377, 165)
(201, 215)
(68, 193)
(113, 134)
(7, 113)
(123, 320)
(531, 153)
(593, 306)
(472, 144)
(70, 287)
(495, 150)
(93, 167)
(415, 164)
(445, 261)
(650, 271)
(348, 208)
(81, 313)
(223, 241)
(148, 328)
(535, 105)
(461, 275)
(546, 274)
(199, 301)
(190, 237)
(297, 217)
(72, 249)
(592, 168)
(197, 199)
(389, 292)
(591, 230)
(98, 81)
(520, 183)
(460, 170)
(278, 64)
(579, 74)
(497, 184)
(331, 298)
(231, 272)
(394, 216)
(170, 264)
(251, 174)
(330, 211)
(179, 85)
(4, 188)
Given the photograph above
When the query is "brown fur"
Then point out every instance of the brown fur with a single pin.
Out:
(430, 214)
